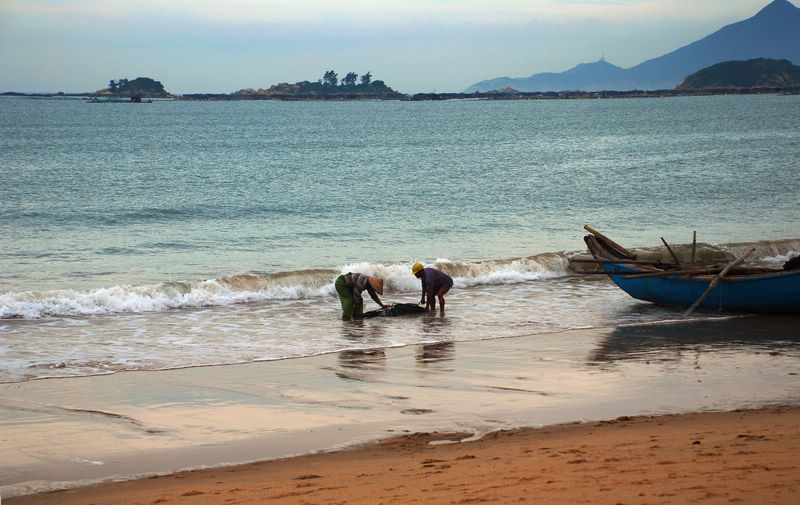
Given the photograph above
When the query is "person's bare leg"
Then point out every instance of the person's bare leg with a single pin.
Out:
(440, 296)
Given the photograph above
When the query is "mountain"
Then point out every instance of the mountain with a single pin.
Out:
(587, 76)
(774, 32)
(755, 73)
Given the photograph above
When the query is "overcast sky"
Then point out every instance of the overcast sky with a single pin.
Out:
(414, 46)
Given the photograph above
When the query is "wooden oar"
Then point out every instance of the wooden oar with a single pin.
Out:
(716, 280)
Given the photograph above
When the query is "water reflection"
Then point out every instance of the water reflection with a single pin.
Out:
(359, 331)
(431, 354)
(773, 334)
(363, 359)
(352, 362)
(436, 325)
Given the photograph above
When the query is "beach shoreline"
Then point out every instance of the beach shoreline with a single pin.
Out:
(744, 456)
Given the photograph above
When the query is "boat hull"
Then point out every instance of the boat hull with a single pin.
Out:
(777, 293)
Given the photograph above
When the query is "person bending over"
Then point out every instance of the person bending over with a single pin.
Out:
(350, 286)
(434, 282)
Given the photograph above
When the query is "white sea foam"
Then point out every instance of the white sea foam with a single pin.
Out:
(248, 288)
(779, 259)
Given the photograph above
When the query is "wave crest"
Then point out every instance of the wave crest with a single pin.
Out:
(318, 283)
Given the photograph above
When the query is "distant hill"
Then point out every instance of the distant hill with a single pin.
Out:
(774, 32)
(308, 88)
(755, 73)
(144, 86)
(327, 88)
(600, 75)
(141, 86)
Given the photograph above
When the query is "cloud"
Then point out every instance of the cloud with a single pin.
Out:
(385, 12)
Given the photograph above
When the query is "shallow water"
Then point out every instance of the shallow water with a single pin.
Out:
(176, 234)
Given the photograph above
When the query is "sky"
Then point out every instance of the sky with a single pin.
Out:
(222, 46)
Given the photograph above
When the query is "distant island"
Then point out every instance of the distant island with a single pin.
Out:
(141, 87)
(749, 74)
(756, 76)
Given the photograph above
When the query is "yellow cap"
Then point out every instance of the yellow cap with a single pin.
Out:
(416, 268)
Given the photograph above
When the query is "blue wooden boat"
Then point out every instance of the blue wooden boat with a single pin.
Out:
(743, 290)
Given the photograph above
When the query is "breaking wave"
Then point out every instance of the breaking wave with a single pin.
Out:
(261, 287)
(256, 287)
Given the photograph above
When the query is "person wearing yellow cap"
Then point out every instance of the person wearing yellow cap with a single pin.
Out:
(435, 284)
(349, 287)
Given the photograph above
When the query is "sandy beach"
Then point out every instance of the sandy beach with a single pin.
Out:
(731, 457)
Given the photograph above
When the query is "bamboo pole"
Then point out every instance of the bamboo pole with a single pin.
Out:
(706, 271)
(633, 262)
(679, 273)
(674, 257)
(694, 246)
(611, 242)
(717, 279)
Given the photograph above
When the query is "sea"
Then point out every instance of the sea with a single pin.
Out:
(179, 234)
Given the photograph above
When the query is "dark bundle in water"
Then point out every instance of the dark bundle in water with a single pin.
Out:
(398, 309)
(792, 264)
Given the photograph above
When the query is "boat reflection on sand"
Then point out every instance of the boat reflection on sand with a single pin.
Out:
(667, 341)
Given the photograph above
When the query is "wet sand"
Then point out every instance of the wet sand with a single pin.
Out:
(732, 457)
(68, 433)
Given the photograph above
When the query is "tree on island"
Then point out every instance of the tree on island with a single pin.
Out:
(116, 86)
(330, 78)
(328, 87)
(350, 79)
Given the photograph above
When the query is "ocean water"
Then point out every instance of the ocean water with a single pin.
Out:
(177, 234)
